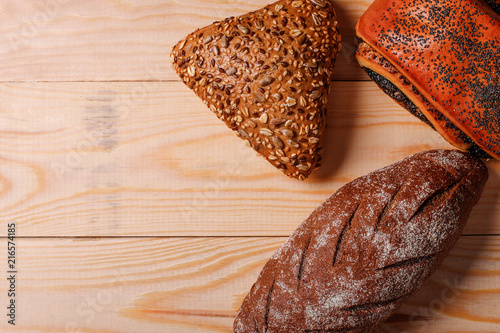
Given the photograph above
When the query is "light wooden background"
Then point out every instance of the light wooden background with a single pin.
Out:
(138, 211)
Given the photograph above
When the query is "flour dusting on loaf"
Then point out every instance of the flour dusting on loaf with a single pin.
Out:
(367, 248)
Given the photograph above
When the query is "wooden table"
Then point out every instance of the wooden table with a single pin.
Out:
(136, 210)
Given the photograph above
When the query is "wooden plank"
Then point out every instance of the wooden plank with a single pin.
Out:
(197, 284)
(71, 40)
(137, 158)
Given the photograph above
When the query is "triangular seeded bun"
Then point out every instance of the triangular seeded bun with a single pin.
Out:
(266, 74)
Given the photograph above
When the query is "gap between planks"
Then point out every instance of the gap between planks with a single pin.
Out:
(186, 237)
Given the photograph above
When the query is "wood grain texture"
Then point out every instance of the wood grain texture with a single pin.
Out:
(71, 40)
(115, 159)
(197, 284)
(98, 137)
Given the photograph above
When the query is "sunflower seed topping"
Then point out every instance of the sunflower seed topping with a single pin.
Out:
(224, 41)
(277, 121)
(245, 112)
(319, 3)
(259, 96)
(316, 19)
(301, 40)
(278, 143)
(266, 74)
(287, 132)
(310, 64)
(315, 94)
(208, 39)
(293, 143)
(302, 167)
(266, 81)
(266, 131)
(291, 101)
(243, 133)
(243, 29)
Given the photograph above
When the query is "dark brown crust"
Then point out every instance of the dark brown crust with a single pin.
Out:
(367, 248)
(266, 74)
(448, 51)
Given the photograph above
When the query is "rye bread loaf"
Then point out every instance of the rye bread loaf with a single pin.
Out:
(266, 75)
(367, 248)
